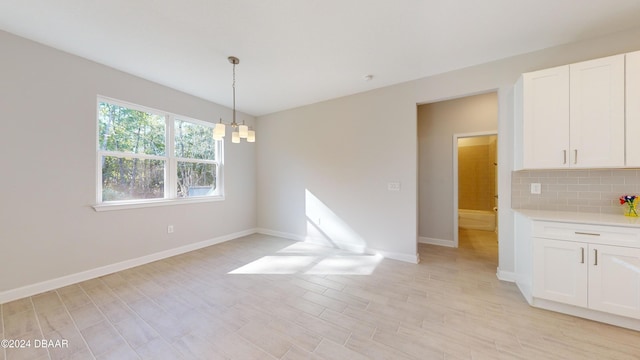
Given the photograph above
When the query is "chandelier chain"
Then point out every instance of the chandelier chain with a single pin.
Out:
(234, 93)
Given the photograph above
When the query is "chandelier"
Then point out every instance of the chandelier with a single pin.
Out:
(240, 131)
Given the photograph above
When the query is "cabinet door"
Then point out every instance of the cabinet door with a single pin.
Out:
(545, 127)
(597, 113)
(560, 271)
(633, 109)
(614, 280)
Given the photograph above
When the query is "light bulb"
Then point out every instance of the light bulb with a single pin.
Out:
(243, 130)
(235, 137)
(251, 136)
(219, 131)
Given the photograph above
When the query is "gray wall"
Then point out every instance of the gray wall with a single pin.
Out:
(437, 123)
(334, 160)
(48, 228)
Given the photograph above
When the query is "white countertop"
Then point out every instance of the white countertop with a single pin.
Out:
(581, 217)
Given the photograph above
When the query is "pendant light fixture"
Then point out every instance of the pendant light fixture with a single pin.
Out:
(240, 131)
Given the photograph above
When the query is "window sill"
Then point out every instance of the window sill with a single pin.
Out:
(125, 205)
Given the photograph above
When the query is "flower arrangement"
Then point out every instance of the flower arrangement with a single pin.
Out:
(630, 200)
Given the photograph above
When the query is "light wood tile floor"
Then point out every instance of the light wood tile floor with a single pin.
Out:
(262, 297)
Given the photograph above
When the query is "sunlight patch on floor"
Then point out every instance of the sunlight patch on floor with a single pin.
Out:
(346, 265)
(310, 259)
(276, 265)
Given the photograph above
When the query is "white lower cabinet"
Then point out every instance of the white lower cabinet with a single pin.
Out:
(560, 271)
(581, 269)
(614, 280)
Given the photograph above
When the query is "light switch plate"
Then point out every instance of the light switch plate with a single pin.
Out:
(393, 186)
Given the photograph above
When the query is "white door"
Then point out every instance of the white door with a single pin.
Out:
(597, 112)
(545, 125)
(614, 280)
(560, 271)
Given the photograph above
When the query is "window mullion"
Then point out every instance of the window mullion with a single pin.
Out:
(171, 168)
(193, 160)
(102, 153)
(220, 167)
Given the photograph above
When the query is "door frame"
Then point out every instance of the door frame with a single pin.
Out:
(455, 175)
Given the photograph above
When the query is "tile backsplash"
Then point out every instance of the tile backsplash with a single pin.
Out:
(584, 190)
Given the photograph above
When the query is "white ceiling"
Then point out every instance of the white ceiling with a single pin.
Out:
(297, 52)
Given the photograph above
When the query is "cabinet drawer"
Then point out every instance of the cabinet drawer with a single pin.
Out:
(595, 234)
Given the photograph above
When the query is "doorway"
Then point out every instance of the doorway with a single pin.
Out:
(475, 190)
(438, 123)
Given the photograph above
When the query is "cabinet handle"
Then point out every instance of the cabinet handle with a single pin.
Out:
(586, 233)
(575, 156)
(581, 255)
(565, 157)
(595, 261)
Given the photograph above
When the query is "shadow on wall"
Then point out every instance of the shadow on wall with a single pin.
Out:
(326, 228)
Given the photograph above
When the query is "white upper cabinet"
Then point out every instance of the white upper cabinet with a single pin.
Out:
(546, 118)
(573, 116)
(596, 119)
(633, 109)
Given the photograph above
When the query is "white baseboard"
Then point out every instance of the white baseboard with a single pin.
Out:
(47, 285)
(506, 275)
(439, 242)
(525, 290)
(414, 259)
(281, 234)
(625, 322)
(360, 249)
(345, 246)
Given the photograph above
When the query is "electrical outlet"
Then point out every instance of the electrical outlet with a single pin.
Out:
(536, 188)
(169, 229)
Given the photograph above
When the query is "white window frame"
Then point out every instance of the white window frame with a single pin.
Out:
(171, 163)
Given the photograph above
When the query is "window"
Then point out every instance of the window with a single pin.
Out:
(146, 155)
(195, 154)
